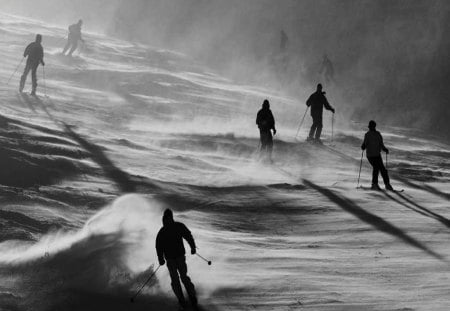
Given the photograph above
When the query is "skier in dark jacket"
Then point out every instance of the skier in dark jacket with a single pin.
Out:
(266, 123)
(373, 144)
(317, 101)
(170, 248)
(35, 53)
(73, 38)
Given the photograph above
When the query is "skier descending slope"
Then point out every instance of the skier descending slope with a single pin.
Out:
(317, 101)
(169, 246)
(266, 123)
(73, 38)
(35, 53)
(373, 144)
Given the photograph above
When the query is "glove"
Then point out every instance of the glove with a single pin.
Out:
(334, 110)
(43, 64)
(274, 131)
(193, 251)
(387, 151)
(162, 262)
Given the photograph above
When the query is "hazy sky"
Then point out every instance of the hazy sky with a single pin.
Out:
(390, 57)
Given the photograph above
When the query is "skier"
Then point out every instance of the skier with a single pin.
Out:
(73, 38)
(169, 246)
(266, 123)
(327, 69)
(317, 101)
(35, 53)
(373, 144)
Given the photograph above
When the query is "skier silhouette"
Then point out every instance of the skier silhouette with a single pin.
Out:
(266, 124)
(327, 69)
(35, 53)
(373, 144)
(317, 101)
(73, 38)
(170, 248)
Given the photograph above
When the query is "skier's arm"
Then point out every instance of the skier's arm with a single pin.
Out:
(308, 101)
(187, 235)
(363, 146)
(27, 51)
(41, 56)
(273, 123)
(159, 249)
(383, 147)
(327, 105)
(258, 119)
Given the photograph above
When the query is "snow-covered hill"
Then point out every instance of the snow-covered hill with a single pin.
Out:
(121, 131)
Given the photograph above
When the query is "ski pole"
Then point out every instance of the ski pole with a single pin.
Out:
(15, 71)
(208, 261)
(301, 123)
(45, 86)
(360, 166)
(143, 285)
(332, 127)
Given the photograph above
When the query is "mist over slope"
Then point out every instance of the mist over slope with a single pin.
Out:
(390, 57)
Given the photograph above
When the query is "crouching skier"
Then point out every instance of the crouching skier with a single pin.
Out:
(170, 248)
(373, 144)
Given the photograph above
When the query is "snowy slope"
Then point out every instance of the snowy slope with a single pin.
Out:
(124, 118)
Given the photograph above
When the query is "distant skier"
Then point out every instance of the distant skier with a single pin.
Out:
(35, 53)
(169, 246)
(317, 101)
(73, 38)
(373, 144)
(327, 69)
(266, 124)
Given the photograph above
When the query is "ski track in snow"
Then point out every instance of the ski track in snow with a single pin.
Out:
(126, 118)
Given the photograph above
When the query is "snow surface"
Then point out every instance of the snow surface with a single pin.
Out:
(128, 130)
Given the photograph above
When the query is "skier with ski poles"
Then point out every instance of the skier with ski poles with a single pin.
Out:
(35, 53)
(170, 248)
(373, 144)
(73, 38)
(266, 124)
(317, 101)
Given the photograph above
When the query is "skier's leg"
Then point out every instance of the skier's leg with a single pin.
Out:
(319, 130)
(384, 173)
(190, 288)
(68, 44)
(74, 47)
(312, 130)
(375, 169)
(23, 78)
(34, 79)
(175, 281)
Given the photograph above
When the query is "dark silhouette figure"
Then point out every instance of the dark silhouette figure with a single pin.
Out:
(170, 247)
(266, 123)
(373, 144)
(35, 53)
(73, 38)
(317, 101)
(327, 69)
(284, 41)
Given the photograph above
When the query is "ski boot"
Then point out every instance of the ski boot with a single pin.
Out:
(389, 187)
(375, 187)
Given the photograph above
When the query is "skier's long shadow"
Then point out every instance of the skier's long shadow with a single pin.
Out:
(426, 188)
(121, 178)
(418, 208)
(371, 219)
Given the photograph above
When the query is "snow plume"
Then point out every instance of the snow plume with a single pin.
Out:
(111, 255)
(390, 57)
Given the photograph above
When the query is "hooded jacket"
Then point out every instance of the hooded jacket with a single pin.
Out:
(35, 53)
(265, 119)
(317, 101)
(169, 241)
(373, 143)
